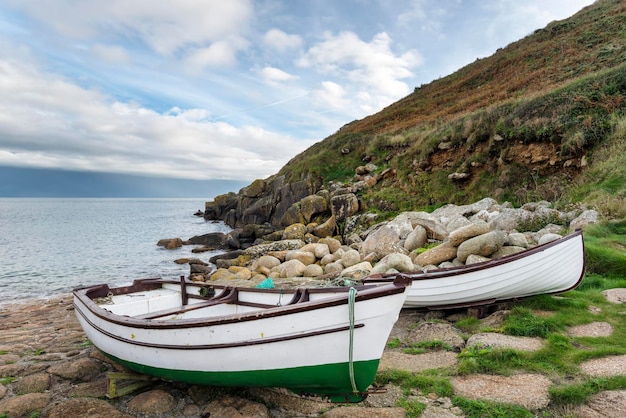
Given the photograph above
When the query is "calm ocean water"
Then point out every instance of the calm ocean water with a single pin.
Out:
(50, 246)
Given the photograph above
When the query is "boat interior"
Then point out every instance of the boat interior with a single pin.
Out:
(163, 299)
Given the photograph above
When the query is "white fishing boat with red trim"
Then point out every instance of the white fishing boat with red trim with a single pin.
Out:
(323, 341)
(554, 267)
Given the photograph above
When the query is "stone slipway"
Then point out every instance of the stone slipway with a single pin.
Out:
(48, 366)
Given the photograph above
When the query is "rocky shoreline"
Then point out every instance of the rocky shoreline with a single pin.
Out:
(49, 369)
(450, 236)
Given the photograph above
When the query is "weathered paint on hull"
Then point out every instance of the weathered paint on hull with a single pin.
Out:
(302, 380)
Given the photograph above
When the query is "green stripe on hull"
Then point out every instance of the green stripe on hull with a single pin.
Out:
(330, 380)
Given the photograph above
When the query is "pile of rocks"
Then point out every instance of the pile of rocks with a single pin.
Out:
(449, 236)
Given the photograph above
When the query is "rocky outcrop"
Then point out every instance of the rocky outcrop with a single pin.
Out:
(263, 201)
(412, 241)
(279, 203)
(271, 214)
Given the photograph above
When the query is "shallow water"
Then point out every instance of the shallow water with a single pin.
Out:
(50, 246)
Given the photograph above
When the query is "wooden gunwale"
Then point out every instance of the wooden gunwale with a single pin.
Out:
(85, 295)
(221, 345)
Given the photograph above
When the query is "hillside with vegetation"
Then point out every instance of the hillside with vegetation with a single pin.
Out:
(542, 119)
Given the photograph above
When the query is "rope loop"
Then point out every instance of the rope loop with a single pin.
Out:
(351, 303)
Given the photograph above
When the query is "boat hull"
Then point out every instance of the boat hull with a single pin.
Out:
(310, 347)
(555, 267)
(329, 380)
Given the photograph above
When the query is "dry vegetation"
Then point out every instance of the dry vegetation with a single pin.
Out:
(542, 118)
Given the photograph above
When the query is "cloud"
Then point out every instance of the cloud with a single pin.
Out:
(163, 27)
(275, 75)
(47, 121)
(516, 17)
(212, 88)
(426, 16)
(219, 54)
(281, 41)
(331, 95)
(368, 70)
(111, 53)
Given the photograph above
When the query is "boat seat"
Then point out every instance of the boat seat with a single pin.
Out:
(228, 296)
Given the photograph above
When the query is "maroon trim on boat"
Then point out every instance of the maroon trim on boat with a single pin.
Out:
(216, 346)
(183, 291)
(85, 295)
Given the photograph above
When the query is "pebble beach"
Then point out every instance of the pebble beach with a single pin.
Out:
(48, 368)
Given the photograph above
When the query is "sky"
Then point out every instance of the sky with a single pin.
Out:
(216, 90)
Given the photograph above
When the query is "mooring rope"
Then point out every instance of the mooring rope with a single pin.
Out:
(351, 302)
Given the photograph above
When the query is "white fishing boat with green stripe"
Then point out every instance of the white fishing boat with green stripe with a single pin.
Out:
(322, 341)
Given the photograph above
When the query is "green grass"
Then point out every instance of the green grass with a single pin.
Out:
(422, 381)
(578, 393)
(523, 323)
(547, 317)
(484, 409)
(413, 408)
(469, 324)
(605, 247)
(424, 346)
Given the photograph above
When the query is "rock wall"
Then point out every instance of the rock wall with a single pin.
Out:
(263, 201)
(276, 204)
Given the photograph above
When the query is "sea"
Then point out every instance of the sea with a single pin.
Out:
(49, 246)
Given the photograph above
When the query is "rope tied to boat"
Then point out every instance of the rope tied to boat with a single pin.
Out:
(351, 303)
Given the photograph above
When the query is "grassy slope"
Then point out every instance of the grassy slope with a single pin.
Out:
(545, 317)
(559, 92)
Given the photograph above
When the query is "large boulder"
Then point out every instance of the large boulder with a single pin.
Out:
(305, 257)
(344, 205)
(382, 241)
(327, 228)
(333, 244)
(210, 240)
(436, 255)
(484, 245)
(350, 258)
(474, 229)
(416, 238)
(268, 261)
(434, 228)
(584, 219)
(317, 248)
(312, 205)
(293, 215)
(357, 271)
(170, 243)
(295, 231)
(399, 262)
(292, 268)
